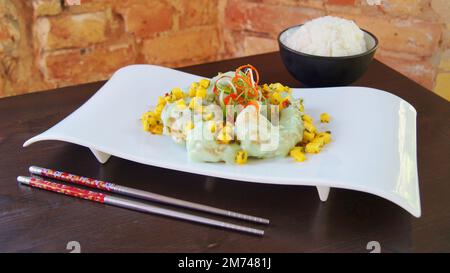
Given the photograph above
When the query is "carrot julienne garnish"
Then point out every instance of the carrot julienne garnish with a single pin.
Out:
(252, 68)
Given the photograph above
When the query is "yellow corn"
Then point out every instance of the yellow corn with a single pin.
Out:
(325, 136)
(276, 98)
(307, 136)
(204, 83)
(278, 87)
(297, 154)
(208, 116)
(189, 126)
(177, 93)
(310, 127)
(212, 127)
(157, 129)
(158, 109)
(181, 104)
(224, 138)
(201, 92)
(241, 157)
(161, 101)
(193, 89)
(313, 148)
(319, 140)
(144, 121)
(324, 118)
(225, 134)
(192, 104)
(307, 118)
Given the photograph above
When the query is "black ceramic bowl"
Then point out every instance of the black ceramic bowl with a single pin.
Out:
(320, 71)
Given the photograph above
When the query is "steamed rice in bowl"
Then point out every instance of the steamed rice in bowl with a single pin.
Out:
(327, 36)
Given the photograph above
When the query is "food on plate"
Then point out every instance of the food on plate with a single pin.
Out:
(231, 118)
(328, 36)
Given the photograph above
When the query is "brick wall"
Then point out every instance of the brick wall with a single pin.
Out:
(46, 44)
(414, 34)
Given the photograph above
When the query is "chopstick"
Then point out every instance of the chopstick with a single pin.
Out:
(129, 204)
(132, 192)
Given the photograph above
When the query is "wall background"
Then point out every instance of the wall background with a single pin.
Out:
(46, 43)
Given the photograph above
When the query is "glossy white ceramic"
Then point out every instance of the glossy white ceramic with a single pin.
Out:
(373, 148)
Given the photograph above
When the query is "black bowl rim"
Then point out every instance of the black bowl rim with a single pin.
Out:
(368, 52)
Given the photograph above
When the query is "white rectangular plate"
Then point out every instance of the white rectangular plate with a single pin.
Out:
(373, 148)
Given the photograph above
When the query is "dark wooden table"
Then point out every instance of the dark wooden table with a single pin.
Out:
(34, 220)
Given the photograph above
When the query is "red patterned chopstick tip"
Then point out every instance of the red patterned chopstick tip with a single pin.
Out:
(68, 190)
(80, 180)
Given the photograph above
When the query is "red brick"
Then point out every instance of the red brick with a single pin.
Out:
(180, 46)
(9, 35)
(198, 13)
(68, 31)
(258, 45)
(348, 9)
(403, 8)
(145, 18)
(318, 4)
(407, 36)
(265, 18)
(232, 45)
(46, 7)
(442, 8)
(73, 66)
(341, 2)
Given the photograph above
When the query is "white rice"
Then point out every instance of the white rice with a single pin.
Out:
(327, 36)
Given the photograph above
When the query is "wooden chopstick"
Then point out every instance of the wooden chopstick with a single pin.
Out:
(132, 192)
(129, 204)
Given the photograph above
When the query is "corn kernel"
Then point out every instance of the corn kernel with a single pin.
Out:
(170, 98)
(278, 87)
(224, 138)
(161, 101)
(192, 104)
(307, 118)
(319, 140)
(208, 116)
(212, 127)
(157, 129)
(313, 148)
(324, 118)
(144, 121)
(181, 104)
(241, 157)
(148, 119)
(310, 127)
(325, 136)
(189, 126)
(276, 98)
(307, 136)
(201, 92)
(178, 93)
(193, 89)
(297, 154)
(158, 109)
(225, 134)
(204, 83)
